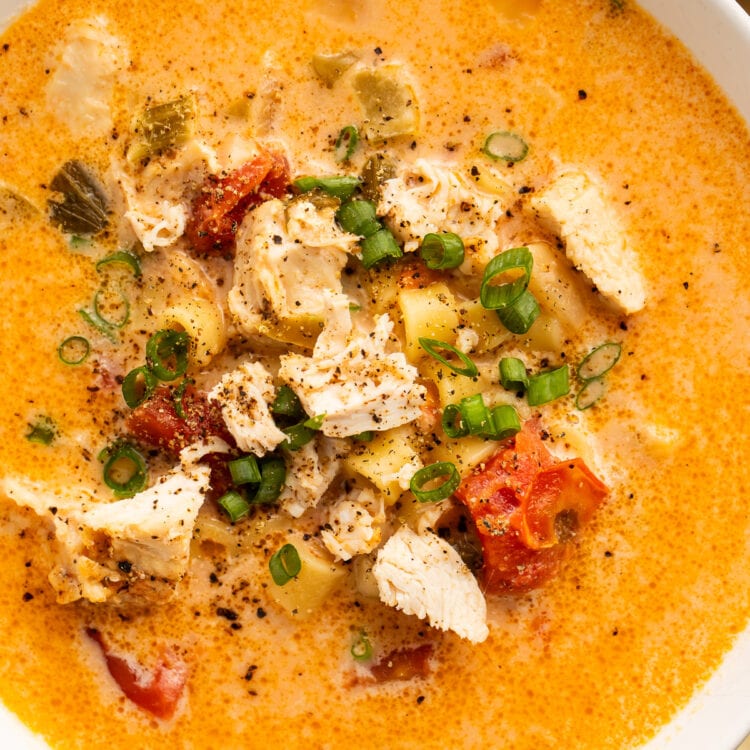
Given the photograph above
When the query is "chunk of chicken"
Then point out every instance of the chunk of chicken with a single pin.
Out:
(422, 575)
(575, 207)
(244, 395)
(138, 546)
(354, 524)
(361, 387)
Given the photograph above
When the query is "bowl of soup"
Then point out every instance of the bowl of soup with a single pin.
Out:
(374, 374)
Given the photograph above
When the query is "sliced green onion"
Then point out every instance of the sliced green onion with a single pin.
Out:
(164, 347)
(548, 386)
(125, 471)
(340, 186)
(432, 345)
(505, 146)
(100, 325)
(427, 474)
(453, 422)
(476, 416)
(122, 257)
(272, 480)
(287, 404)
(316, 422)
(505, 422)
(297, 435)
(138, 385)
(245, 470)
(513, 375)
(498, 297)
(520, 316)
(361, 649)
(591, 392)
(442, 251)
(42, 431)
(74, 350)
(599, 361)
(234, 504)
(379, 246)
(358, 217)
(285, 564)
(364, 437)
(178, 397)
(346, 143)
(123, 307)
(354, 307)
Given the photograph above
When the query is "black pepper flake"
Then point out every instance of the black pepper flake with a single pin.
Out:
(27, 597)
(251, 670)
(685, 284)
(524, 189)
(607, 553)
(420, 700)
(6, 47)
(378, 51)
(125, 566)
(228, 614)
(277, 239)
(582, 94)
(615, 631)
(261, 613)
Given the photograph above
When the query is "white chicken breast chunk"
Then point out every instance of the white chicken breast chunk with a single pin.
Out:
(83, 76)
(244, 395)
(309, 472)
(354, 524)
(575, 207)
(139, 546)
(359, 388)
(422, 575)
(288, 258)
(427, 197)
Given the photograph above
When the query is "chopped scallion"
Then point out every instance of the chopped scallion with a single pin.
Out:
(286, 404)
(505, 146)
(364, 437)
(453, 422)
(74, 350)
(285, 564)
(113, 312)
(297, 435)
(442, 251)
(548, 386)
(42, 431)
(234, 504)
(513, 375)
(346, 143)
(272, 480)
(520, 316)
(476, 416)
(340, 186)
(245, 470)
(505, 422)
(361, 649)
(122, 257)
(358, 217)
(316, 422)
(378, 247)
(599, 361)
(431, 346)
(591, 392)
(167, 353)
(100, 325)
(501, 296)
(125, 471)
(138, 385)
(428, 474)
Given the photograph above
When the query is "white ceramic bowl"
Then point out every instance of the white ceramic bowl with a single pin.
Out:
(718, 716)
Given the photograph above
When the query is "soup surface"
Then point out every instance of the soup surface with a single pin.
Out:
(614, 154)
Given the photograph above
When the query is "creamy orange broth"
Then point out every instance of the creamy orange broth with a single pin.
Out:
(655, 588)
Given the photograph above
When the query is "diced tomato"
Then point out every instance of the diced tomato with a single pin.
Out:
(222, 202)
(157, 423)
(158, 691)
(525, 507)
(403, 664)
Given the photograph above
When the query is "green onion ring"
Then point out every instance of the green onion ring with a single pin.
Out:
(591, 392)
(234, 505)
(346, 143)
(122, 257)
(117, 322)
(361, 649)
(520, 316)
(599, 361)
(359, 217)
(100, 325)
(505, 422)
(272, 480)
(42, 431)
(548, 386)
(505, 146)
(504, 295)
(123, 452)
(244, 470)
(513, 375)
(131, 386)
(453, 422)
(427, 474)
(284, 564)
(69, 345)
(430, 345)
(476, 416)
(441, 252)
(164, 345)
(378, 247)
(340, 186)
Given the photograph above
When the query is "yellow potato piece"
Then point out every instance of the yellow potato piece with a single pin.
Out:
(388, 101)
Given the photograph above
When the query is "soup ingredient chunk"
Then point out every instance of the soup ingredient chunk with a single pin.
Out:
(422, 575)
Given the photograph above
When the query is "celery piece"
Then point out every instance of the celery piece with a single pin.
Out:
(329, 68)
(83, 209)
(162, 127)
